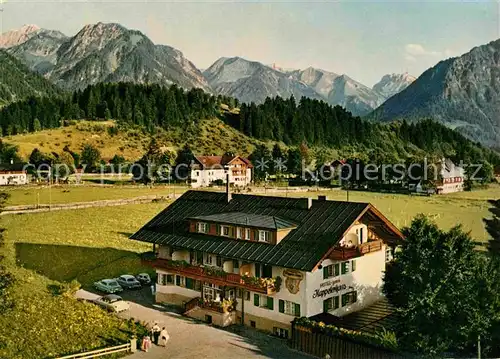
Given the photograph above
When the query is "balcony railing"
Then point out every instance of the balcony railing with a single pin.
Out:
(217, 276)
(225, 306)
(342, 253)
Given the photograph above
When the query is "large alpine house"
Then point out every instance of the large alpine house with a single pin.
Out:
(263, 260)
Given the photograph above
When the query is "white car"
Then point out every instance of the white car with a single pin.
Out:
(128, 282)
(112, 303)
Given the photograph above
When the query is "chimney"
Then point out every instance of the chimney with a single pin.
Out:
(228, 189)
(308, 202)
(321, 198)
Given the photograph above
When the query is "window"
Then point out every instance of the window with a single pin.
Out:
(344, 267)
(170, 279)
(208, 259)
(263, 301)
(224, 231)
(236, 264)
(238, 232)
(330, 271)
(280, 332)
(349, 298)
(202, 227)
(247, 295)
(264, 236)
(247, 233)
(180, 281)
(289, 308)
(252, 323)
(263, 270)
(218, 261)
(353, 265)
(331, 304)
(360, 236)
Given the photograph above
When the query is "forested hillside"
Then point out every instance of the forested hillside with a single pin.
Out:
(283, 120)
(18, 82)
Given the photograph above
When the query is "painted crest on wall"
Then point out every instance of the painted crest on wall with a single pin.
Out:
(293, 279)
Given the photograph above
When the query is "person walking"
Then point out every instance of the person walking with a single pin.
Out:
(146, 344)
(156, 332)
(164, 337)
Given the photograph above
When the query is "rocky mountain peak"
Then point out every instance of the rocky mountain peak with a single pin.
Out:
(391, 84)
(18, 36)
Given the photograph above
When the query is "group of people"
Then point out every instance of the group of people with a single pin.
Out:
(160, 337)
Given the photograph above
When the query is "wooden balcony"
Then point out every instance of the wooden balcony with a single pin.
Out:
(344, 253)
(214, 275)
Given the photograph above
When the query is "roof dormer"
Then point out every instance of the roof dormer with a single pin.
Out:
(243, 226)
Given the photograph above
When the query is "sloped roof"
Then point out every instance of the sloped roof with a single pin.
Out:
(319, 228)
(219, 161)
(248, 219)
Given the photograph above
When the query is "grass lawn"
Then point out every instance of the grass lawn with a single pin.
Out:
(86, 244)
(466, 208)
(46, 248)
(83, 193)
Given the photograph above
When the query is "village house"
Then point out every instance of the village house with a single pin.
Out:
(13, 174)
(451, 177)
(262, 261)
(207, 170)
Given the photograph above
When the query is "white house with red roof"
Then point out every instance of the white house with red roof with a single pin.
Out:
(209, 169)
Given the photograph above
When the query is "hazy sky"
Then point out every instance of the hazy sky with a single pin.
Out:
(362, 39)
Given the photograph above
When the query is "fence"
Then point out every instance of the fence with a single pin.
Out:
(319, 345)
(129, 347)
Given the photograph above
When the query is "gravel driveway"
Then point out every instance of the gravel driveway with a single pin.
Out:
(192, 339)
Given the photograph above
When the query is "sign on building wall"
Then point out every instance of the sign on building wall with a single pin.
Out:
(329, 287)
(293, 279)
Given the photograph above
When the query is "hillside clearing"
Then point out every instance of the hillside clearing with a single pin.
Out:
(210, 137)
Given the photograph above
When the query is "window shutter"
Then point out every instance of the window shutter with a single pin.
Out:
(256, 300)
(178, 280)
(325, 306)
(218, 229)
(297, 310)
(337, 269)
(257, 270)
(325, 272)
(336, 302)
(189, 283)
(270, 303)
(281, 305)
(344, 300)
(353, 265)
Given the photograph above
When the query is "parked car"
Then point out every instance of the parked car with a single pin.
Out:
(108, 286)
(128, 282)
(112, 303)
(143, 278)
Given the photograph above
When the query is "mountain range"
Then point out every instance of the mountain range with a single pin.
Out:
(462, 92)
(112, 53)
(18, 82)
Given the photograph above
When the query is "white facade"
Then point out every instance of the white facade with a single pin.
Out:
(304, 293)
(13, 178)
(204, 177)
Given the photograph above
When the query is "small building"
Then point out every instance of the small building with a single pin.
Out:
(451, 177)
(207, 170)
(13, 174)
(262, 261)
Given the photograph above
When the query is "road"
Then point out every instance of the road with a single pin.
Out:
(192, 339)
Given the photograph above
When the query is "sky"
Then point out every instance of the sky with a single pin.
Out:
(363, 39)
